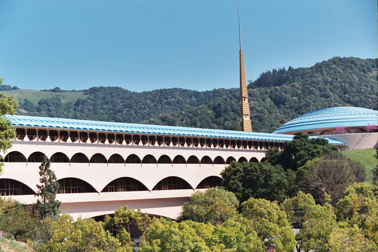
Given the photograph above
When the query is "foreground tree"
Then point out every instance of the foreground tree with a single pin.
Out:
(47, 204)
(332, 173)
(270, 224)
(315, 222)
(359, 206)
(167, 235)
(297, 152)
(84, 235)
(258, 180)
(350, 240)
(213, 206)
(8, 106)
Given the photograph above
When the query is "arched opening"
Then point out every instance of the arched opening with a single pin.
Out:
(133, 159)
(36, 157)
(101, 138)
(160, 140)
(244, 144)
(208, 142)
(98, 158)
(188, 141)
(229, 160)
(250, 144)
(111, 138)
(255, 145)
(182, 141)
(9, 187)
(172, 183)
(149, 159)
(253, 160)
(219, 160)
(179, 160)
(210, 182)
(215, 143)
(174, 141)
(42, 135)
(136, 139)
(206, 160)
(312, 134)
(261, 145)
(167, 140)
(128, 139)
(232, 144)
(238, 144)
(116, 159)
(59, 157)
(119, 138)
(124, 185)
(74, 136)
(144, 140)
(20, 133)
(358, 131)
(93, 137)
(15, 156)
(326, 132)
(53, 134)
(74, 185)
(227, 143)
(221, 143)
(79, 158)
(164, 159)
(152, 140)
(32, 134)
(242, 159)
(195, 142)
(63, 136)
(193, 160)
(83, 137)
(202, 142)
(262, 160)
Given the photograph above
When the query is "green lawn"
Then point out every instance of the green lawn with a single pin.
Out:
(35, 96)
(367, 158)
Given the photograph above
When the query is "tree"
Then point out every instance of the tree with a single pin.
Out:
(270, 224)
(359, 206)
(258, 180)
(84, 235)
(213, 206)
(297, 152)
(332, 173)
(122, 221)
(47, 205)
(8, 106)
(167, 235)
(350, 240)
(315, 222)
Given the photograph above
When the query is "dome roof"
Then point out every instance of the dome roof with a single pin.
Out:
(331, 118)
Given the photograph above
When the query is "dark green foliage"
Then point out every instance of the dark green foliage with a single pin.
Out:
(257, 180)
(375, 170)
(47, 204)
(275, 97)
(17, 220)
(214, 206)
(297, 152)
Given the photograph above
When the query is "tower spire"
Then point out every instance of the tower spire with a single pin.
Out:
(245, 114)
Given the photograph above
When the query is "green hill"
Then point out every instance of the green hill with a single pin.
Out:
(366, 158)
(275, 97)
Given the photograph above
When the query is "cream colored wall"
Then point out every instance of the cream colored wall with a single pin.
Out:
(357, 141)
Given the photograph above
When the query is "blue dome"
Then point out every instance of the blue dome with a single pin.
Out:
(331, 118)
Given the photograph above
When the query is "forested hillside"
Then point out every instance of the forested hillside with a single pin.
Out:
(275, 97)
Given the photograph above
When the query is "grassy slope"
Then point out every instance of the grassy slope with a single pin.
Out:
(367, 158)
(35, 96)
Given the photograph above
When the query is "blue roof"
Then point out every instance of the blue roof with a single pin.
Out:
(331, 118)
(131, 128)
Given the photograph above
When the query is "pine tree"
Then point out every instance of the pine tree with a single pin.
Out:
(47, 203)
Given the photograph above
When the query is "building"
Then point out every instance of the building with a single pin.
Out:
(102, 166)
(357, 127)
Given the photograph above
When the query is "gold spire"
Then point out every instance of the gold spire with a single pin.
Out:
(245, 114)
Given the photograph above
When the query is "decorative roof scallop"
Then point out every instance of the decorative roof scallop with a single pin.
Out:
(331, 118)
(73, 124)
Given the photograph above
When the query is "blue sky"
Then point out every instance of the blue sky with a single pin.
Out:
(152, 44)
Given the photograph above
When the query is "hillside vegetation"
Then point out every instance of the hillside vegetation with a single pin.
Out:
(367, 158)
(275, 97)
